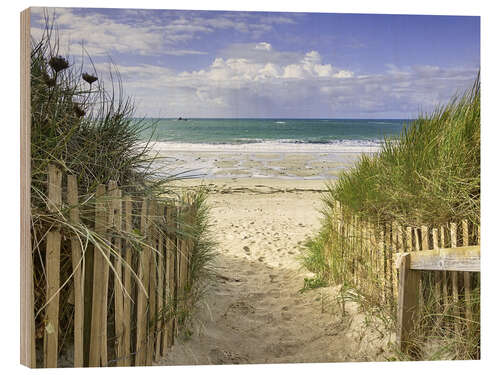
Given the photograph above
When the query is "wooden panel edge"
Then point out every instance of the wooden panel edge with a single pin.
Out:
(27, 344)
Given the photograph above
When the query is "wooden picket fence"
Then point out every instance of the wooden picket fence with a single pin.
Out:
(127, 300)
(370, 255)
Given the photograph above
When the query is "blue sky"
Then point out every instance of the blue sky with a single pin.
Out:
(254, 64)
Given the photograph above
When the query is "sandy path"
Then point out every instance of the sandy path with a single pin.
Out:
(254, 311)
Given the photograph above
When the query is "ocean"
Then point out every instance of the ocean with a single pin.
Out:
(283, 148)
(267, 134)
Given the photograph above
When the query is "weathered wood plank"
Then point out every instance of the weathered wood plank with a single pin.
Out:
(409, 241)
(454, 274)
(27, 317)
(425, 237)
(142, 297)
(152, 284)
(444, 275)
(467, 295)
(52, 267)
(171, 267)
(106, 252)
(160, 289)
(407, 304)
(465, 258)
(96, 332)
(127, 283)
(120, 321)
(78, 279)
(394, 268)
(438, 285)
(382, 267)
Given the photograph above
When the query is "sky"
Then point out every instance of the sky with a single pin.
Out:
(274, 65)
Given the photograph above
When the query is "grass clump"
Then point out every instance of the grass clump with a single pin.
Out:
(87, 129)
(429, 176)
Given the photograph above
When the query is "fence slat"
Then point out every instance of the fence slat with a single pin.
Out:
(78, 279)
(425, 237)
(152, 285)
(142, 321)
(396, 249)
(127, 283)
(409, 242)
(381, 262)
(120, 321)
(465, 241)
(444, 274)
(52, 266)
(160, 289)
(438, 285)
(170, 267)
(96, 331)
(454, 274)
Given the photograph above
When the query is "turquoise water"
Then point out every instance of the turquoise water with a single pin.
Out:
(250, 131)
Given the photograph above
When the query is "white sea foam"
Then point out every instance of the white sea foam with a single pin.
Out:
(283, 146)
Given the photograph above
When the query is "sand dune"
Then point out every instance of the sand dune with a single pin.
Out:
(254, 311)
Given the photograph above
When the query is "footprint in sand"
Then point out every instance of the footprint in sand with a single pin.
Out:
(220, 357)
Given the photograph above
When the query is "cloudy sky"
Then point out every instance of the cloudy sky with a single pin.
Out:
(254, 64)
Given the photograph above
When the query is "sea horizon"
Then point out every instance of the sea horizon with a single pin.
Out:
(271, 134)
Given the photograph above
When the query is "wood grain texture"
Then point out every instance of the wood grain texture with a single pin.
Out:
(119, 294)
(27, 316)
(142, 297)
(52, 267)
(465, 258)
(127, 282)
(407, 303)
(78, 279)
(151, 336)
(160, 289)
(467, 295)
(98, 281)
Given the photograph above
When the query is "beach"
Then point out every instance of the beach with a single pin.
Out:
(254, 310)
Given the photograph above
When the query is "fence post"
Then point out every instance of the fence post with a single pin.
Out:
(127, 283)
(465, 237)
(78, 280)
(444, 274)
(151, 337)
(142, 321)
(170, 267)
(454, 274)
(120, 296)
(437, 286)
(407, 306)
(382, 267)
(160, 290)
(96, 331)
(52, 266)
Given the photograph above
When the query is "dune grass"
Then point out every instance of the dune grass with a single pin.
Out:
(87, 128)
(430, 176)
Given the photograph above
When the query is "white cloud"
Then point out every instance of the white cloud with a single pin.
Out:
(241, 87)
(144, 32)
(251, 79)
(263, 46)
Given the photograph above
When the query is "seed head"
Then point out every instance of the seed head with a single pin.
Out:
(78, 111)
(58, 63)
(89, 78)
(48, 80)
